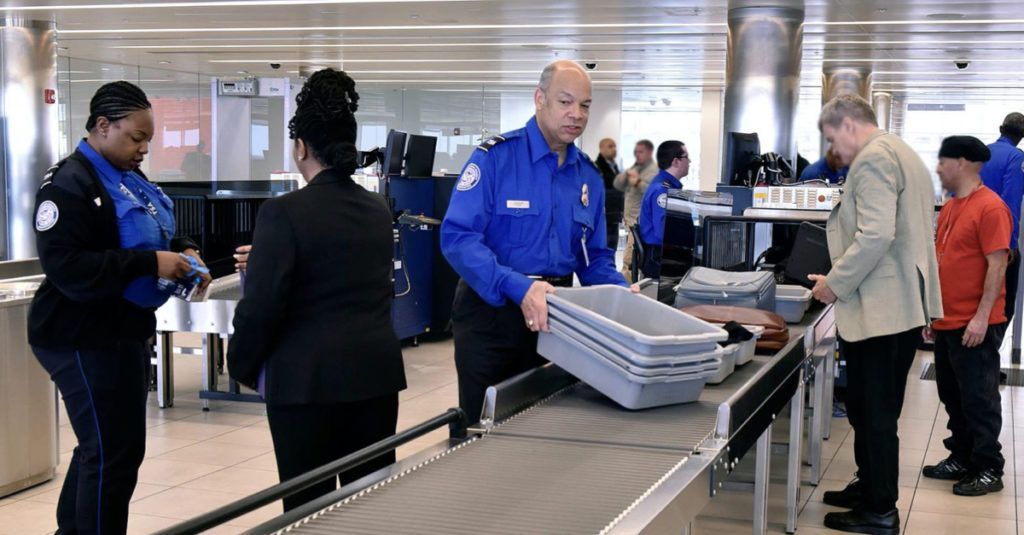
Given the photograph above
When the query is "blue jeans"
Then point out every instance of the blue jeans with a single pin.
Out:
(105, 393)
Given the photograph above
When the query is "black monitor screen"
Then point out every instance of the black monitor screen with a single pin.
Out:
(419, 156)
(742, 156)
(393, 153)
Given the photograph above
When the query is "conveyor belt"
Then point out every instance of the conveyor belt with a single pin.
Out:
(582, 414)
(504, 485)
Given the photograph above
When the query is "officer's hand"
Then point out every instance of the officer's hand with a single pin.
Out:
(171, 266)
(242, 257)
(535, 306)
(206, 279)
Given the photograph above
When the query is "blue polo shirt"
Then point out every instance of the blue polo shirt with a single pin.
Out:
(145, 220)
(652, 207)
(515, 212)
(1004, 174)
(820, 170)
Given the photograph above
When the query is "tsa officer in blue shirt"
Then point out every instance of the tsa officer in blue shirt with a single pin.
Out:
(1004, 174)
(105, 235)
(526, 214)
(674, 162)
(829, 169)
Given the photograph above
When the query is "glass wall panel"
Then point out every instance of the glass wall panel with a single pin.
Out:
(660, 115)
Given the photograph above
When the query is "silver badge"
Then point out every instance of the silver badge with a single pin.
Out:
(663, 200)
(585, 196)
(47, 216)
(470, 178)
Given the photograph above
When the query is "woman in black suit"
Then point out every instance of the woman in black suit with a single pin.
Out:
(313, 331)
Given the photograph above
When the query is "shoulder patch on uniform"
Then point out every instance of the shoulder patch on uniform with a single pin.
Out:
(487, 144)
(663, 200)
(470, 178)
(46, 216)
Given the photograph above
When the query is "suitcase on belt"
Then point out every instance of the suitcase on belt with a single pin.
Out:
(748, 289)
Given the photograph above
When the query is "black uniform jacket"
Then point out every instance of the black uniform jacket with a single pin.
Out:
(614, 200)
(318, 290)
(79, 306)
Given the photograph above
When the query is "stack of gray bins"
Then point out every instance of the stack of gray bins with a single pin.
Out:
(633, 349)
(749, 289)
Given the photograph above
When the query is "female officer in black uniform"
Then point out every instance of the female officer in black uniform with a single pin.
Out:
(315, 321)
(104, 235)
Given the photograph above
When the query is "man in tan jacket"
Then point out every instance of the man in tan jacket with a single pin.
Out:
(634, 182)
(884, 281)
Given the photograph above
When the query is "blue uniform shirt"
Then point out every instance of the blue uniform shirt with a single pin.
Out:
(145, 220)
(514, 212)
(820, 170)
(652, 207)
(1004, 174)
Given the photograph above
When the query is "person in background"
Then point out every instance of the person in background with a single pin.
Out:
(313, 332)
(105, 234)
(613, 198)
(1004, 174)
(197, 165)
(634, 182)
(526, 214)
(674, 162)
(973, 230)
(829, 169)
(885, 286)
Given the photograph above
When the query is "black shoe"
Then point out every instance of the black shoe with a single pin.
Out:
(978, 484)
(848, 498)
(948, 468)
(857, 521)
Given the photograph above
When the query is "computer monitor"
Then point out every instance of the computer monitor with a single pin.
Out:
(419, 156)
(742, 157)
(393, 153)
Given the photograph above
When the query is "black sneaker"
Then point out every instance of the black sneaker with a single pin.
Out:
(865, 522)
(948, 468)
(848, 498)
(978, 484)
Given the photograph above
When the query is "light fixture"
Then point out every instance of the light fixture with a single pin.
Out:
(425, 27)
(216, 3)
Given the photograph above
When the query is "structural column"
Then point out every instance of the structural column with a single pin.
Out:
(762, 87)
(839, 80)
(28, 132)
(883, 109)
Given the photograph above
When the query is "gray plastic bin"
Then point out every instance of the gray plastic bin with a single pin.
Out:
(709, 363)
(643, 324)
(629, 390)
(749, 348)
(728, 365)
(792, 302)
(748, 289)
(581, 330)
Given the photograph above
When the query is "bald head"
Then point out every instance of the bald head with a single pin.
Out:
(608, 148)
(562, 100)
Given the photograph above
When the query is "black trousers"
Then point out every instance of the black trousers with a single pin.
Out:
(877, 371)
(1011, 284)
(310, 436)
(613, 220)
(105, 396)
(491, 344)
(968, 382)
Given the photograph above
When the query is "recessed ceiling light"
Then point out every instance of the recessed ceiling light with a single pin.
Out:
(243, 72)
(250, 29)
(164, 62)
(946, 16)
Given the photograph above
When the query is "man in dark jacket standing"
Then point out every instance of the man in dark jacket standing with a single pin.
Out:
(613, 198)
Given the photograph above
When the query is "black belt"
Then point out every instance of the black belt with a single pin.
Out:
(563, 281)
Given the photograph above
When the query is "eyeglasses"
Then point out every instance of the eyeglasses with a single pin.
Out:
(684, 156)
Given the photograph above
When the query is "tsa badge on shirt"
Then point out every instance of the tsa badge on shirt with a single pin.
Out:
(470, 178)
(663, 200)
(46, 216)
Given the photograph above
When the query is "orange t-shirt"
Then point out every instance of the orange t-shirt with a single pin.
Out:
(968, 230)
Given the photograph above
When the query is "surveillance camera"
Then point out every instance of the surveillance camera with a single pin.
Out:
(275, 66)
(590, 65)
(962, 64)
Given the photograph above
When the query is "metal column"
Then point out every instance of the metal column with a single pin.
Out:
(882, 103)
(28, 127)
(762, 479)
(795, 460)
(164, 361)
(762, 88)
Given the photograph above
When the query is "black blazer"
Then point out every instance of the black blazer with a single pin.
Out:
(80, 304)
(614, 199)
(318, 292)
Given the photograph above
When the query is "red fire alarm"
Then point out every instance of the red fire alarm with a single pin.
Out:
(50, 96)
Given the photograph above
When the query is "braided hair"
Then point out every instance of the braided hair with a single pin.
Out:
(325, 118)
(115, 101)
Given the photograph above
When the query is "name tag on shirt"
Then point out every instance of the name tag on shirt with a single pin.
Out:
(518, 205)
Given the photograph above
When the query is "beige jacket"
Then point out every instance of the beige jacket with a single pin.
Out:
(635, 195)
(881, 240)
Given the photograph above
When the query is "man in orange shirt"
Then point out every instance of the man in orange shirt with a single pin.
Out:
(971, 244)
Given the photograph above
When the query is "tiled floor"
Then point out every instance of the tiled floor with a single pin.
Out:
(200, 460)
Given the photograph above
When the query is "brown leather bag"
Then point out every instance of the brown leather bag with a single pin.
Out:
(776, 333)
